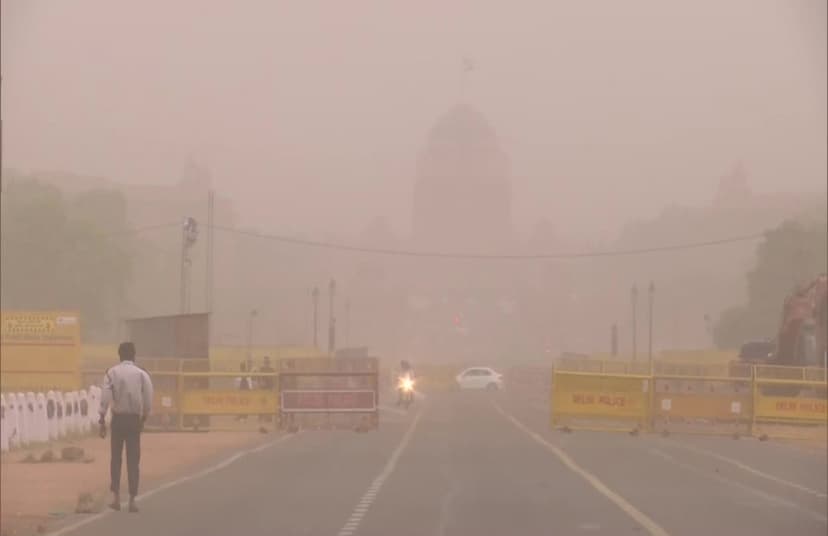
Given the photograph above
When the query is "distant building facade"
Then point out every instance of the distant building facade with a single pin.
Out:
(462, 195)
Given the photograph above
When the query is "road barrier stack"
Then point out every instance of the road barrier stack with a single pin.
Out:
(35, 418)
(733, 398)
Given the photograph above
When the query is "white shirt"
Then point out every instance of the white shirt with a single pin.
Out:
(247, 380)
(128, 388)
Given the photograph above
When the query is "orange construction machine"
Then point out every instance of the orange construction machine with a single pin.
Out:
(802, 332)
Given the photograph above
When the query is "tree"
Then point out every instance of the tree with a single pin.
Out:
(789, 256)
(64, 253)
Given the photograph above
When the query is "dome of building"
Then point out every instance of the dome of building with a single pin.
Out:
(462, 125)
(462, 196)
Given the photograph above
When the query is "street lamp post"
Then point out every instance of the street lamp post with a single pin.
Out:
(315, 298)
(347, 321)
(189, 232)
(253, 314)
(331, 317)
(634, 299)
(614, 340)
(651, 297)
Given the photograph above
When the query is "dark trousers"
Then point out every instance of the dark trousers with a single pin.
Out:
(125, 429)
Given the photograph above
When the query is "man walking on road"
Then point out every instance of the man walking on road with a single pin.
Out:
(128, 390)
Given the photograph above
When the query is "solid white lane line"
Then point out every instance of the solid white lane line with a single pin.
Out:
(748, 468)
(67, 529)
(393, 410)
(773, 499)
(661, 454)
(368, 498)
(641, 518)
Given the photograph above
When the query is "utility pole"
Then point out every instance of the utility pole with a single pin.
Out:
(634, 299)
(189, 234)
(315, 298)
(614, 340)
(208, 280)
(347, 321)
(651, 296)
(331, 317)
(253, 314)
(1, 136)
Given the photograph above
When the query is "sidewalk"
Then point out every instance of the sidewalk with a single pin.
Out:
(33, 496)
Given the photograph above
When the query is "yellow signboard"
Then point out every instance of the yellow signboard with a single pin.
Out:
(229, 402)
(606, 396)
(40, 350)
(598, 403)
(791, 408)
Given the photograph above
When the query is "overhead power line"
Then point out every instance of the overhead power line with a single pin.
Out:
(137, 230)
(493, 257)
(102, 234)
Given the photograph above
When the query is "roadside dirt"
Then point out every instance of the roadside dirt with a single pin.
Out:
(37, 495)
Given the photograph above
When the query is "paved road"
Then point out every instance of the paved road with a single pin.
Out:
(470, 464)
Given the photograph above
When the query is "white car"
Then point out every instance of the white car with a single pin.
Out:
(480, 378)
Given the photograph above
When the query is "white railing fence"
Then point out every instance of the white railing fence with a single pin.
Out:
(33, 418)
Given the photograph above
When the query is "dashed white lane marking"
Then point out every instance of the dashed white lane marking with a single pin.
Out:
(749, 469)
(452, 489)
(167, 485)
(641, 518)
(367, 499)
(772, 499)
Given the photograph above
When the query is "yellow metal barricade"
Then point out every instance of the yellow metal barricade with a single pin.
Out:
(602, 366)
(702, 404)
(707, 398)
(790, 402)
(190, 399)
(212, 400)
(229, 402)
(699, 357)
(597, 401)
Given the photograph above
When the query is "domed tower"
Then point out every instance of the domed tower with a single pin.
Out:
(462, 196)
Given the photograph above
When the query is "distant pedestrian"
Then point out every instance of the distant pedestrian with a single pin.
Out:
(243, 383)
(266, 383)
(127, 390)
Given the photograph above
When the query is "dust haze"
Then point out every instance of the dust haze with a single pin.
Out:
(475, 127)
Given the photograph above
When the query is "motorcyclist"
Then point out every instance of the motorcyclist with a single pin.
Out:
(405, 371)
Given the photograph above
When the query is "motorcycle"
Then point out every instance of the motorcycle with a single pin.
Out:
(405, 388)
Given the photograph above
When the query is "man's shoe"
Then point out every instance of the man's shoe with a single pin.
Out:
(133, 508)
(116, 502)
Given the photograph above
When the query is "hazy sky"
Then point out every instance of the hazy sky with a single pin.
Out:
(310, 114)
